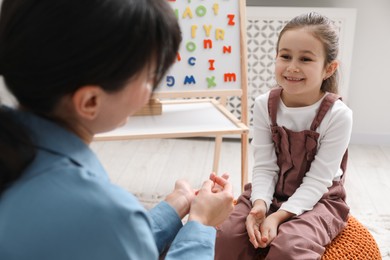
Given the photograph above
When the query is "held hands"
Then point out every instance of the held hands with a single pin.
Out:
(213, 202)
(181, 198)
(210, 205)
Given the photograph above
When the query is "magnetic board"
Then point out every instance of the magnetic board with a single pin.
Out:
(210, 57)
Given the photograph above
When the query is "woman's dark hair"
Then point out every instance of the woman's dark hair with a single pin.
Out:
(324, 30)
(50, 48)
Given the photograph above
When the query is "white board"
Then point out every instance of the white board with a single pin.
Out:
(209, 58)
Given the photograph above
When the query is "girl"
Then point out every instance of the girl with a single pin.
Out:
(296, 204)
(79, 68)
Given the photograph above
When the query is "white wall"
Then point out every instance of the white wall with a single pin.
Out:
(369, 91)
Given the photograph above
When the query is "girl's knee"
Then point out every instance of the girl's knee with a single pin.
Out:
(234, 246)
(294, 247)
(232, 242)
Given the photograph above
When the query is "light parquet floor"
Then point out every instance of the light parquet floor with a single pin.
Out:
(150, 167)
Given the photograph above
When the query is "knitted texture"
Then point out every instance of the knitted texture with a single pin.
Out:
(354, 242)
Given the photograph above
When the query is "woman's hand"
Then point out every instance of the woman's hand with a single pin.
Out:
(254, 220)
(213, 202)
(181, 198)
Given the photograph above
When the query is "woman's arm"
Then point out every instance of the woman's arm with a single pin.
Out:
(210, 207)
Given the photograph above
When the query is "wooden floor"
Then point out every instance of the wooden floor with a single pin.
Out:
(150, 168)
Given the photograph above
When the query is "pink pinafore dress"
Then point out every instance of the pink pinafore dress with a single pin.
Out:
(301, 237)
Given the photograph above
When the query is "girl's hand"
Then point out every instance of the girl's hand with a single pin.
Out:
(269, 227)
(212, 208)
(219, 181)
(253, 222)
(269, 230)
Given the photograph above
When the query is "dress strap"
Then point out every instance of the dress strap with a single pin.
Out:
(326, 103)
(273, 102)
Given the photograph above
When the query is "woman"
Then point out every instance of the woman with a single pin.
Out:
(78, 68)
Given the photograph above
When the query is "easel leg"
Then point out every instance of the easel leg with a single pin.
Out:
(244, 160)
(217, 153)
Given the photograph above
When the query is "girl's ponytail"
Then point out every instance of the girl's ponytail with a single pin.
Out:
(16, 150)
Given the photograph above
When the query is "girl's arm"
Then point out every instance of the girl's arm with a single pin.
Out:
(265, 168)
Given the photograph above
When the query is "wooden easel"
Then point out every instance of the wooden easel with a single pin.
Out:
(153, 108)
(197, 113)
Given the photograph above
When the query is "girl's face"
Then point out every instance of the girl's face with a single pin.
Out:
(300, 68)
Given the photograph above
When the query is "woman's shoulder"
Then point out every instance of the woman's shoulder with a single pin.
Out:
(63, 185)
(75, 209)
(98, 192)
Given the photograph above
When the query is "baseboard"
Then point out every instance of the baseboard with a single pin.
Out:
(374, 139)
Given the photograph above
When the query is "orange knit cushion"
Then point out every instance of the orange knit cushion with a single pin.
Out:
(354, 242)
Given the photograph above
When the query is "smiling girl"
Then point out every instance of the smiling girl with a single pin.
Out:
(295, 204)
